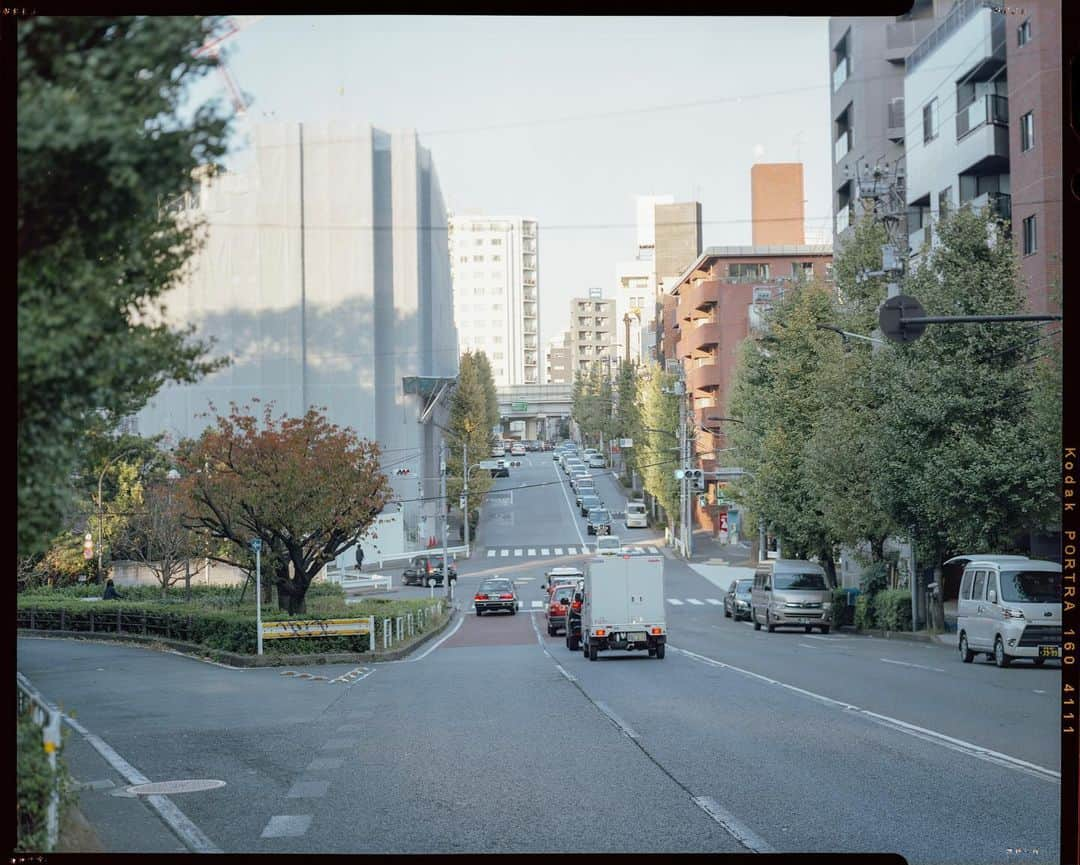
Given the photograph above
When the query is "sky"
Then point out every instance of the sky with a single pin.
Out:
(563, 119)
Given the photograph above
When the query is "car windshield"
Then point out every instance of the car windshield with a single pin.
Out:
(590, 501)
(1031, 587)
(598, 515)
(496, 586)
(743, 587)
(563, 594)
(808, 580)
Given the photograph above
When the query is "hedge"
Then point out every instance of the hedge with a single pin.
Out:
(864, 612)
(893, 607)
(34, 781)
(226, 629)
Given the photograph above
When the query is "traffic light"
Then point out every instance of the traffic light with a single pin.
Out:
(697, 479)
(702, 500)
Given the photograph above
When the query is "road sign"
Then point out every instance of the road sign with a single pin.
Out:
(626, 443)
(256, 545)
(519, 406)
(900, 307)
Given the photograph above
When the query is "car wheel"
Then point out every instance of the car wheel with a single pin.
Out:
(753, 617)
(513, 611)
(660, 651)
(1000, 658)
(551, 633)
(824, 629)
(809, 629)
(769, 626)
(479, 612)
(592, 651)
(727, 615)
(966, 655)
(652, 651)
(1039, 661)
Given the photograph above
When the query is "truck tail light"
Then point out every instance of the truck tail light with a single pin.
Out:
(658, 630)
(600, 632)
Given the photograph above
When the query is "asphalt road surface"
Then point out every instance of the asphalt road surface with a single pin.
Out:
(499, 739)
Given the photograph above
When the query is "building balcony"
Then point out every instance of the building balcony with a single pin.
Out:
(705, 377)
(841, 73)
(999, 204)
(990, 108)
(844, 219)
(699, 340)
(902, 36)
(700, 295)
(842, 146)
(895, 123)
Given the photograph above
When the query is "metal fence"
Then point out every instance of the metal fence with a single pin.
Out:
(402, 627)
(118, 621)
(30, 703)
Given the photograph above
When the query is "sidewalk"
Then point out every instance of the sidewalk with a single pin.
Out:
(707, 547)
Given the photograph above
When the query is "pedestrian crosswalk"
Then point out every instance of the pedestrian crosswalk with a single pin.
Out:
(547, 552)
(694, 602)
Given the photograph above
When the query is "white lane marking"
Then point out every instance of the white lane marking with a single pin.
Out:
(675, 601)
(906, 664)
(545, 551)
(1037, 691)
(714, 602)
(733, 827)
(532, 552)
(572, 551)
(558, 551)
(566, 673)
(654, 550)
(430, 648)
(573, 516)
(695, 602)
(308, 790)
(492, 553)
(954, 744)
(748, 624)
(808, 645)
(617, 721)
(517, 552)
(504, 553)
(826, 639)
(188, 832)
(534, 603)
(287, 826)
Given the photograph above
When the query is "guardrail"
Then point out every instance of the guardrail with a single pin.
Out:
(48, 717)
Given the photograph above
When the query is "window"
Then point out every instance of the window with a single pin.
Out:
(496, 258)
(1023, 33)
(965, 586)
(1031, 243)
(1027, 131)
(752, 271)
(478, 258)
(930, 120)
(464, 259)
(980, 585)
(498, 355)
(944, 201)
(802, 269)
(479, 289)
(479, 241)
(496, 241)
(496, 339)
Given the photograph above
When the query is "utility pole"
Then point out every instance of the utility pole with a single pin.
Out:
(465, 492)
(442, 494)
(687, 506)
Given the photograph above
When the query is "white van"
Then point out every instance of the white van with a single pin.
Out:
(1009, 607)
(636, 516)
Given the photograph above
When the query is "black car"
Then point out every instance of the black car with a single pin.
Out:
(737, 599)
(426, 571)
(599, 522)
(503, 470)
(588, 502)
(495, 593)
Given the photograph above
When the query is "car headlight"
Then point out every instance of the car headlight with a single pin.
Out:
(826, 606)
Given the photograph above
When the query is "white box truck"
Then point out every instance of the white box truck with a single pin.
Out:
(623, 605)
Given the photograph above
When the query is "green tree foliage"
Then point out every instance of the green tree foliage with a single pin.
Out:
(100, 144)
(469, 416)
(487, 381)
(307, 488)
(965, 465)
(628, 412)
(658, 454)
(593, 405)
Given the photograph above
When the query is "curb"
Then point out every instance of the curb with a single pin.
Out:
(918, 636)
(201, 653)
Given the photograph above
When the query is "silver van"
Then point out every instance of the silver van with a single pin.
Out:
(1009, 607)
(791, 592)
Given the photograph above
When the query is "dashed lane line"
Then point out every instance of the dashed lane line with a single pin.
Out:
(675, 601)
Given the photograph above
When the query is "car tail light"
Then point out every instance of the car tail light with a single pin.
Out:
(506, 597)
(658, 630)
(600, 632)
(480, 598)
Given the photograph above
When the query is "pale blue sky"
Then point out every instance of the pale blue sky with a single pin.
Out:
(764, 82)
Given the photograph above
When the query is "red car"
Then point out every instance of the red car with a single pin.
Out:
(558, 606)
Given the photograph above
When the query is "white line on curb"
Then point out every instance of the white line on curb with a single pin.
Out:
(174, 818)
(616, 720)
(737, 830)
(968, 748)
(430, 648)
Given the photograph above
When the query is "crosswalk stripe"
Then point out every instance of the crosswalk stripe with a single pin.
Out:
(675, 601)
(532, 552)
(571, 551)
(504, 553)
(538, 603)
(545, 552)
(492, 553)
(652, 550)
(517, 552)
(714, 602)
(558, 551)
(695, 602)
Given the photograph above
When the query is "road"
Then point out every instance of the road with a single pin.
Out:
(499, 739)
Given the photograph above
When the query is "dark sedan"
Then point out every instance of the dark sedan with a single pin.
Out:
(427, 571)
(588, 502)
(737, 599)
(599, 522)
(496, 593)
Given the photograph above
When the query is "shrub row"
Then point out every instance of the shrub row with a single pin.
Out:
(34, 782)
(228, 630)
(893, 609)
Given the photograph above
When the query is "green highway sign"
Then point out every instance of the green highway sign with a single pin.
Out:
(519, 406)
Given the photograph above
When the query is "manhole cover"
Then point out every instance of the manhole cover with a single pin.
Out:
(167, 788)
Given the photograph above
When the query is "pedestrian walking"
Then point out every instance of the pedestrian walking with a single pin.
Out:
(359, 557)
(110, 591)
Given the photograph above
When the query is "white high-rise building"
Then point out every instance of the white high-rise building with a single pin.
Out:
(494, 263)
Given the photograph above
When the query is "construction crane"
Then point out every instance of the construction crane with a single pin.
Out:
(212, 48)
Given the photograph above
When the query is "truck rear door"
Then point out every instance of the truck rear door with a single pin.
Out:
(645, 589)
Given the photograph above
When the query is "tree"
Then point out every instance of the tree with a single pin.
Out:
(658, 453)
(156, 534)
(487, 381)
(100, 143)
(628, 414)
(958, 418)
(468, 426)
(307, 488)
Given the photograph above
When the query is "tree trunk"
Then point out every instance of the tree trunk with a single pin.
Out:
(187, 581)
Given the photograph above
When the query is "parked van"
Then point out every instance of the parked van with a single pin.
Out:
(1009, 607)
(636, 517)
(791, 592)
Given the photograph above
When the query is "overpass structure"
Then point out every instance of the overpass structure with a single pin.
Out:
(533, 411)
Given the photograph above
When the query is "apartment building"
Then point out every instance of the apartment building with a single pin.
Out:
(776, 200)
(560, 367)
(317, 285)
(593, 332)
(495, 267)
(866, 65)
(719, 301)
